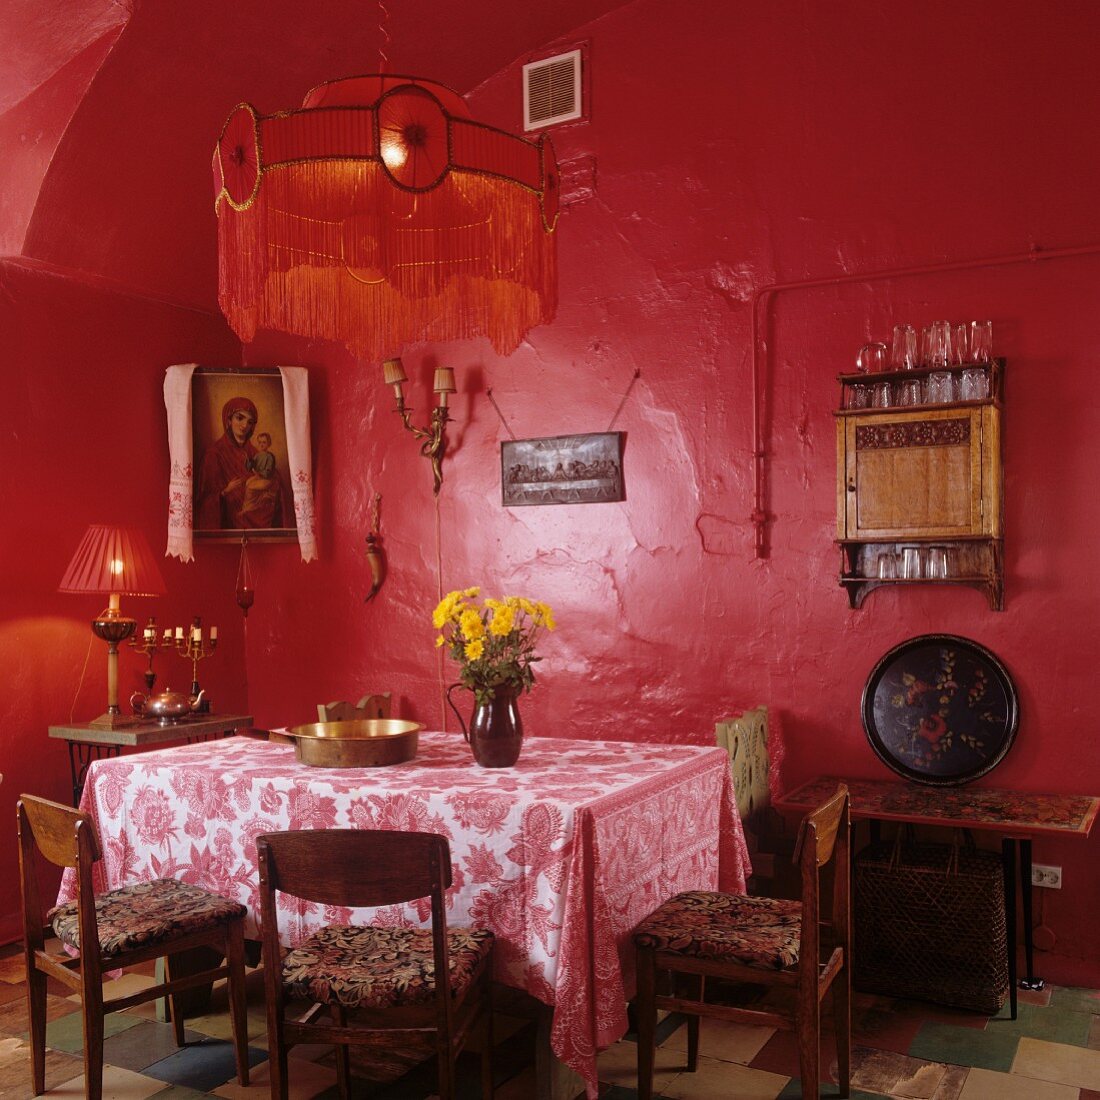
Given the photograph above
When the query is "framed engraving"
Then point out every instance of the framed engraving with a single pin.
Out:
(563, 469)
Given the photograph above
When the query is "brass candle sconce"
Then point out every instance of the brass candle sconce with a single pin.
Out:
(434, 436)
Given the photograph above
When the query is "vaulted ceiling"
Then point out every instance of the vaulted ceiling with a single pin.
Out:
(109, 109)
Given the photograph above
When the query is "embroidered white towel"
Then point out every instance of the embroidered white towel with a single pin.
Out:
(177, 402)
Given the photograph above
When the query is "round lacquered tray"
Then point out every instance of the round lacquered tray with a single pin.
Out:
(940, 709)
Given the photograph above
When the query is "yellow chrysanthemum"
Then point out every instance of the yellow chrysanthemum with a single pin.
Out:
(440, 641)
(471, 593)
(474, 649)
(502, 622)
(445, 609)
(544, 615)
(469, 622)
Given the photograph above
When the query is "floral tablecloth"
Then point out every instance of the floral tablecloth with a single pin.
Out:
(561, 855)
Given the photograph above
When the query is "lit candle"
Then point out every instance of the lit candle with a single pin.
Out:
(196, 633)
(213, 633)
(179, 633)
(167, 633)
(150, 633)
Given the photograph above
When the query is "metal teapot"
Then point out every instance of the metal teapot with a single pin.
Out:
(166, 706)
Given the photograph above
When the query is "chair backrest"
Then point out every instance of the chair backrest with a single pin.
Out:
(824, 837)
(357, 867)
(376, 705)
(745, 738)
(67, 838)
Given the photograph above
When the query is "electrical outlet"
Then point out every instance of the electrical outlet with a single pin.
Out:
(1043, 874)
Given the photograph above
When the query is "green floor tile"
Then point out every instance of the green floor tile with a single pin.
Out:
(67, 1032)
(1083, 1000)
(142, 1045)
(965, 1046)
(1056, 1024)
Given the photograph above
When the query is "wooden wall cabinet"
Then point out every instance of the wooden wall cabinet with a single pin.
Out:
(921, 476)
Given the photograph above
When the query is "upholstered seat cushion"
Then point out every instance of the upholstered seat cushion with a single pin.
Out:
(378, 967)
(759, 932)
(144, 914)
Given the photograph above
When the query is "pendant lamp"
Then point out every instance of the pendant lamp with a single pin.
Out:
(381, 214)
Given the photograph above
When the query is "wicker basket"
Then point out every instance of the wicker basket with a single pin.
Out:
(930, 924)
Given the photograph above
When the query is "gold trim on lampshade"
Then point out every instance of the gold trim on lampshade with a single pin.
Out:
(113, 559)
(393, 372)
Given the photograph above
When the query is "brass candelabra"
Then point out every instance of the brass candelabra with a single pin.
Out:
(435, 435)
(193, 647)
(148, 644)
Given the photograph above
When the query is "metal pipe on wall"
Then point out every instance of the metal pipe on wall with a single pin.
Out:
(758, 515)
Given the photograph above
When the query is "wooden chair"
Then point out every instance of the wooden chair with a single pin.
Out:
(370, 706)
(112, 931)
(763, 941)
(441, 982)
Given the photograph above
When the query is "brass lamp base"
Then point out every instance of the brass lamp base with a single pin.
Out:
(112, 628)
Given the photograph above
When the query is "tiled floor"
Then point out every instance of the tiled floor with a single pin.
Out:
(902, 1049)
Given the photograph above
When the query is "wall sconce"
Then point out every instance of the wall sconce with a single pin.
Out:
(434, 436)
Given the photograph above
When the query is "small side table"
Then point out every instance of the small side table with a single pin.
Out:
(87, 742)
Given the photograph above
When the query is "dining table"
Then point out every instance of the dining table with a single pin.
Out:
(560, 855)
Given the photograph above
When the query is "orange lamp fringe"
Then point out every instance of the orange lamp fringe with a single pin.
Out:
(381, 214)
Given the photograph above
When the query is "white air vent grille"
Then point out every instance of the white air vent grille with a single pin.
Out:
(552, 90)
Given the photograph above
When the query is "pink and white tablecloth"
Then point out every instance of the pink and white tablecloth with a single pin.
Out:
(561, 855)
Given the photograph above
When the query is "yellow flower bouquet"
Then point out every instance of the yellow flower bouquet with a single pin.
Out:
(494, 641)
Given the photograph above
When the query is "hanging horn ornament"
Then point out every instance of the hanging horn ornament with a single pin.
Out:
(375, 554)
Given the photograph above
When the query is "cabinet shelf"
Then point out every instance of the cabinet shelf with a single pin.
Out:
(921, 476)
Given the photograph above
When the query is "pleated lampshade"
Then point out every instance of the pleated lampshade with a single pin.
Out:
(113, 559)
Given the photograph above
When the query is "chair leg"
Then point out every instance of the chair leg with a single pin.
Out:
(238, 998)
(693, 1027)
(446, 1057)
(809, 1050)
(342, 1053)
(36, 1015)
(646, 1010)
(173, 1002)
(92, 1003)
(487, 1049)
(842, 1009)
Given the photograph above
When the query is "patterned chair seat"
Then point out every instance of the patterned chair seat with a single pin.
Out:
(758, 932)
(378, 967)
(144, 914)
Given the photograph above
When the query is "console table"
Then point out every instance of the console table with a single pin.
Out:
(89, 742)
(1015, 816)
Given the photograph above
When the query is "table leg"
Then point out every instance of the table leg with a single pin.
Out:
(1008, 862)
(1028, 981)
(81, 755)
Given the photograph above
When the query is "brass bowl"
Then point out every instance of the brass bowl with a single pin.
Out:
(367, 743)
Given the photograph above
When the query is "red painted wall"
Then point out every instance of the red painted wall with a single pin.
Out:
(733, 148)
(84, 442)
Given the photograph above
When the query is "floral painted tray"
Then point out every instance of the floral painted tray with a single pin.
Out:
(940, 709)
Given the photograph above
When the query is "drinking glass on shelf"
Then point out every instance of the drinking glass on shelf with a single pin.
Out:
(882, 396)
(940, 389)
(858, 397)
(909, 392)
(926, 346)
(871, 358)
(960, 345)
(939, 344)
(911, 563)
(981, 342)
(903, 351)
(974, 385)
(887, 566)
(937, 563)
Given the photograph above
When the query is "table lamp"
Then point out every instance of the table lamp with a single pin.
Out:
(115, 561)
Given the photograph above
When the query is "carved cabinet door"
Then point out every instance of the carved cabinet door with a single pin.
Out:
(919, 473)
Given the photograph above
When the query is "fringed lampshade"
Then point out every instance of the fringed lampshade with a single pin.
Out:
(381, 214)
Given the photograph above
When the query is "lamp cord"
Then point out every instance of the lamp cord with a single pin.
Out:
(439, 599)
(80, 682)
(383, 37)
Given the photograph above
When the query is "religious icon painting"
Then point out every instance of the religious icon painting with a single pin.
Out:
(564, 469)
(240, 456)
